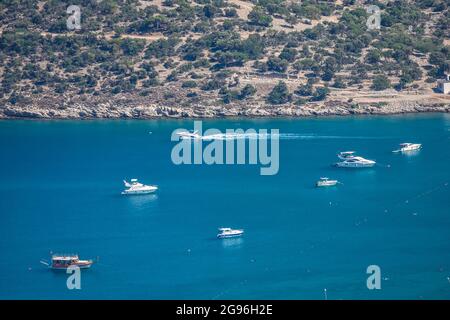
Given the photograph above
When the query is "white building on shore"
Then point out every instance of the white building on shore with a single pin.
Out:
(444, 85)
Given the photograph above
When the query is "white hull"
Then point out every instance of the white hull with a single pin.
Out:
(327, 184)
(189, 135)
(136, 192)
(136, 188)
(223, 236)
(408, 149)
(351, 161)
(354, 165)
(229, 233)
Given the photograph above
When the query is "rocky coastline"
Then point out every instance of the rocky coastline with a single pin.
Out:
(135, 109)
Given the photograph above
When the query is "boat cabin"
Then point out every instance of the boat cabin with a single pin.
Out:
(59, 261)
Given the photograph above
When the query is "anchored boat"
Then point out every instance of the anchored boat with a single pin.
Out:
(356, 162)
(229, 233)
(325, 182)
(407, 146)
(349, 160)
(64, 261)
(136, 187)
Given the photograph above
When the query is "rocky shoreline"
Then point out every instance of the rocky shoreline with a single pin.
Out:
(136, 110)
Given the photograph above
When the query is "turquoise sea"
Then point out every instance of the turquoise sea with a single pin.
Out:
(60, 185)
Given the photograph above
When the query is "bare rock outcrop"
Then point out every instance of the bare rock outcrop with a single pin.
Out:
(125, 108)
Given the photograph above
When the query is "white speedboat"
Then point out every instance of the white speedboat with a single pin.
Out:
(189, 135)
(356, 162)
(346, 155)
(135, 187)
(229, 233)
(405, 147)
(325, 182)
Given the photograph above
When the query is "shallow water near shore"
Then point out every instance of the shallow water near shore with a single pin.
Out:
(60, 191)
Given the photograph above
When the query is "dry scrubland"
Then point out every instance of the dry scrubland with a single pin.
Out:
(210, 58)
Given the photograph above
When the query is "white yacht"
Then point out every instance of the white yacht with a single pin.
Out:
(356, 162)
(346, 155)
(135, 187)
(189, 135)
(229, 233)
(325, 182)
(405, 147)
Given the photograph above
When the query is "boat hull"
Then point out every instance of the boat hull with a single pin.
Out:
(409, 149)
(138, 192)
(414, 147)
(81, 266)
(224, 236)
(328, 184)
(354, 165)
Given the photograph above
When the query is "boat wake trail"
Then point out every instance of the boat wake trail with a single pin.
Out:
(280, 136)
(238, 136)
(312, 136)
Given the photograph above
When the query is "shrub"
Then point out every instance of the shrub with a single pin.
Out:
(230, 13)
(247, 91)
(288, 54)
(213, 84)
(339, 83)
(169, 95)
(380, 82)
(277, 64)
(258, 17)
(279, 94)
(189, 84)
(320, 94)
(305, 90)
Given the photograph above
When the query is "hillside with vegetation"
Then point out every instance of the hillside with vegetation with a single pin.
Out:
(135, 58)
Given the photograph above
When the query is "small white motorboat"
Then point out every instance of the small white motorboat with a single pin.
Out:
(405, 147)
(229, 233)
(135, 187)
(325, 182)
(356, 162)
(189, 135)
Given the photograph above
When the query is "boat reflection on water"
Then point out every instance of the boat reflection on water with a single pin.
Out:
(143, 201)
(232, 242)
(411, 153)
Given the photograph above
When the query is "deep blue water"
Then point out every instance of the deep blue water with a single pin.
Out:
(60, 184)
